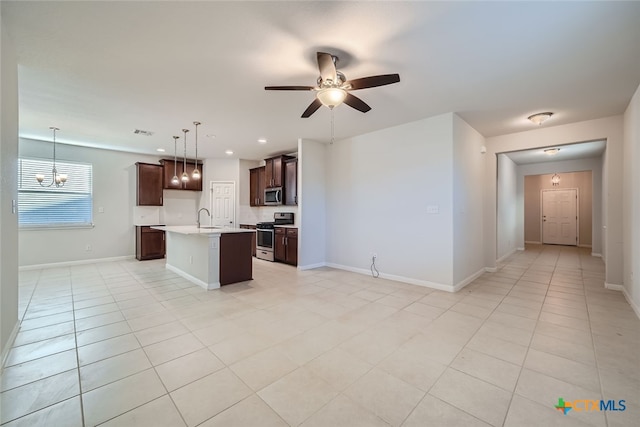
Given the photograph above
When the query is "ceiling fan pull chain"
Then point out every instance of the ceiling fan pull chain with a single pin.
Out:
(332, 139)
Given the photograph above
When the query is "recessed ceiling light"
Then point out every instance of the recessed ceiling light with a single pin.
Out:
(551, 151)
(160, 150)
(228, 152)
(262, 141)
(540, 118)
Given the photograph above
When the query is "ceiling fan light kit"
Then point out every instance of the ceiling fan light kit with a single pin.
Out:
(333, 88)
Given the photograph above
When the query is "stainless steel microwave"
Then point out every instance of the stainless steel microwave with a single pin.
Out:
(273, 196)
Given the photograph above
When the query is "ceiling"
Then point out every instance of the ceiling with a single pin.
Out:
(100, 70)
(583, 150)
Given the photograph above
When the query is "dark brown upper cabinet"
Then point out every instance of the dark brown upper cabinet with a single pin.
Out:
(256, 186)
(192, 184)
(149, 184)
(274, 171)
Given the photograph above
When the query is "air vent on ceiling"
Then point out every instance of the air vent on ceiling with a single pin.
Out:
(143, 132)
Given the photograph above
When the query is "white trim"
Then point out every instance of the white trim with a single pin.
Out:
(72, 263)
(520, 249)
(621, 288)
(468, 280)
(425, 283)
(9, 345)
(312, 266)
(613, 287)
(503, 257)
(193, 279)
(596, 254)
(491, 269)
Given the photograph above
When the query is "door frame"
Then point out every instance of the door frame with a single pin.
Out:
(542, 190)
(235, 202)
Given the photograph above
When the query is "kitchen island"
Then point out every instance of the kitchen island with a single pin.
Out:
(209, 257)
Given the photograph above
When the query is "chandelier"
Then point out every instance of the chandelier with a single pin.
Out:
(57, 179)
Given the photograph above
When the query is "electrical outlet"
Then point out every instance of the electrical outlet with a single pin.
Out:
(190, 259)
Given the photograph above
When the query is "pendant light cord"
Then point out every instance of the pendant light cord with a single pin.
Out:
(175, 155)
(196, 124)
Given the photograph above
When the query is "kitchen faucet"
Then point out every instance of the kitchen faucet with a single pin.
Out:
(198, 215)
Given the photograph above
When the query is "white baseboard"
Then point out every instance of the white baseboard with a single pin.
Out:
(409, 280)
(520, 249)
(193, 279)
(490, 269)
(8, 345)
(468, 280)
(507, 255)
(311, 266)
(621, 288)
(72, 263)
(613, 287)
(596, 255)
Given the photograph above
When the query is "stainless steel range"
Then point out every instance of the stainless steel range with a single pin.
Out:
(265, 234)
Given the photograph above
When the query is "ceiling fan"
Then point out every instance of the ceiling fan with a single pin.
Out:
(333, 88)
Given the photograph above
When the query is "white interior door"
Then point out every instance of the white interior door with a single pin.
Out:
(560, 217)
(223, 204)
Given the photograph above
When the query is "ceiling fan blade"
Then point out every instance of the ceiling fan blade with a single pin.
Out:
(311, 108)
(373, 81)
(357, 103)
(288, 88)
(326, 66)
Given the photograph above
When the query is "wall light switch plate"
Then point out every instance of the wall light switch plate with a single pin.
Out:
(100, 209)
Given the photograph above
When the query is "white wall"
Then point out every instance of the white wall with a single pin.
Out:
(631, 214)
(468, 165)
(610, 129)
(508, 202)
(379, 186)
(114, 189)
(312, 204)
(594, 165)
(8, 191)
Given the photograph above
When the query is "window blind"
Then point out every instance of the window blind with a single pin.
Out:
(53, 207)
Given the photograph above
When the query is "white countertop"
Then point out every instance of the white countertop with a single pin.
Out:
(192, 229)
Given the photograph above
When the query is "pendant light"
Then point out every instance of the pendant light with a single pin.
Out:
(185, 175)
(196, 173)
(175, 181)
(57, 179)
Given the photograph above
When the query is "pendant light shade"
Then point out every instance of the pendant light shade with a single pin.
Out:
(196, 173)
(175, 181)
(57, 179)
(185, 175)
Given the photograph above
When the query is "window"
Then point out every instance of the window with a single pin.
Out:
(52, 207)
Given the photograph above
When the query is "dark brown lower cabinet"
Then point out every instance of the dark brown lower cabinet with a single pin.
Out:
(236, 264)
(286, 245)
(149, 243)
(253, 237)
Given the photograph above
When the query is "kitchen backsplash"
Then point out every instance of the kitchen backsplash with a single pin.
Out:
(252, 215)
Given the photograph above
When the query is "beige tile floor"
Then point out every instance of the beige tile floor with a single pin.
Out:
(132, 344)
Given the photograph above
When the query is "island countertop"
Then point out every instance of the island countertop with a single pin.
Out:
(205, 230)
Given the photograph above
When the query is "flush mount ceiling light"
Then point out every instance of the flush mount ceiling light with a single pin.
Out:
(196, 173)
(160, 150)
(262, 141)
(228, 152)
(540, 118)
(57, 180)
(551, 151)
(555, 180)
